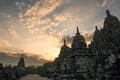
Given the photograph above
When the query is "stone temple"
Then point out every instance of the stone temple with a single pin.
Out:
(21, 63)
(21, 66)
(10, 72)
(97, 61)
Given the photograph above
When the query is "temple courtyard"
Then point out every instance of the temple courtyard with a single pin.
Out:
(33, 77)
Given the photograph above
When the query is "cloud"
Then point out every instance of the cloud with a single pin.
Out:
(4, 43)
(50, 27)
(8, 48)
(46, 22)
(43, 23)
(63, 17)
(40, 9)
(88, 35)
(13, 59)
(21, 5)
(11, 51)
(44, 18)
(105, 3)
(5, 46)
(14, 33)
(35, 17)
(68, 39)
(46, 46)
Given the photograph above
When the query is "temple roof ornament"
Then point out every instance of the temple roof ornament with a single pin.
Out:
(64, 42)
(96, 27)
(108, 13)
(78, 41)
(78, 33)
(21, 62)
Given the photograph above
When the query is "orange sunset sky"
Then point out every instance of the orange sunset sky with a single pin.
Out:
(37, 27)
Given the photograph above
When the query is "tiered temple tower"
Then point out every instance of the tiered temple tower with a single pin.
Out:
(65, 50)
(58, 67)
(78, 42)
(83, 59)
(105, 44)
(21, 63)
(21, 66)
(78, 56)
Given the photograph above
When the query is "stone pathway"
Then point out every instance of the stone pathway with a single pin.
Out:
(33, 77)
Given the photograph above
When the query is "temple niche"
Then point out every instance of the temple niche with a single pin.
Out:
(99, 61)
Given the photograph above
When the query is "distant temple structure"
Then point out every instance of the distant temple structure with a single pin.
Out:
(21, 63)
(11, 72)
(99, 61)
(21, 66)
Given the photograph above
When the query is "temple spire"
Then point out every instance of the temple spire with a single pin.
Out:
(96, 27)
(108, 13)
(64, 42)
(78, 33)
(22, 56)
(21, 62)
